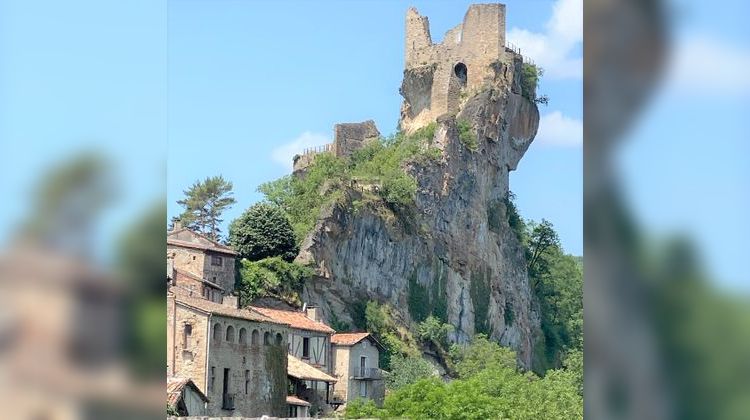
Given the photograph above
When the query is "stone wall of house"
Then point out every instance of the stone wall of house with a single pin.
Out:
(187, 259)
(261, 361)
(375, 390)
(221, 274)
(437, 77)
(187, 359)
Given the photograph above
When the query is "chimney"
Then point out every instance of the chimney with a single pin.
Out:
(231, 301)
(176, 225)
(311, 312)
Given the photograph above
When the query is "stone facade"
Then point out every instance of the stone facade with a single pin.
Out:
(193, 253)
(437, 77)
(358, 373)
(236, 357)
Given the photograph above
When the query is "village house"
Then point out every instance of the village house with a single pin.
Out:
(185, 397)
(356, 366)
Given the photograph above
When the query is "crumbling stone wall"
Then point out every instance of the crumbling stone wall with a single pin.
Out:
(458, 66)
(347, 138)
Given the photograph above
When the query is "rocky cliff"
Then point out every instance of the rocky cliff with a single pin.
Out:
(453, 254)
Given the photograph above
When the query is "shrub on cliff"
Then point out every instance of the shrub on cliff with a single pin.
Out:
(272, 277)
(263, 231)
(530, 75)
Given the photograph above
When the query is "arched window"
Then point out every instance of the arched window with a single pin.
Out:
(461, 73)
(243, 336)
(254, 338)
(279, 339)
(217, 332)
(230, 334)
(267, 338)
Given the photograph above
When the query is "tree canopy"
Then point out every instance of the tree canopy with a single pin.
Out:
(203, 205)
(263, 231)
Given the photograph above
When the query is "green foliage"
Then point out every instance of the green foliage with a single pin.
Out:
(263, 231)
(406, 370)
(362, 408)
(171, 411)
(480, 355)
(272, 277)
(431, 330)
(466, 135)
(490, 387)
(204, 203)
(573, 363)
(380, 163)
(530, 75)
(515, 221)
(396, 339)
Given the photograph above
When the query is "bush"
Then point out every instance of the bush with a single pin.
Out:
(466, 135)
(431, 330)
(406, 370)
(263, 231)
(480, 355)
(530, 75)
(272, 277)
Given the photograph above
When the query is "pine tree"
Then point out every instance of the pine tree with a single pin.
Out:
(204, 203)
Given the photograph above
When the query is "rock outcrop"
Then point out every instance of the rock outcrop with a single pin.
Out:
(454, 253)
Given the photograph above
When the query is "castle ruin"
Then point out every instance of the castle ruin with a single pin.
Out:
(438, 76)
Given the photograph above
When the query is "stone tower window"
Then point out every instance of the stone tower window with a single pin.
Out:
(279, 339)
(217, 332)
(187, 332)
(243, 336)
(461, 73)
(230, 334)
(267, 338)
(254, 338)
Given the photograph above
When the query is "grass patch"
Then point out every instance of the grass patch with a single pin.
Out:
(466, 135)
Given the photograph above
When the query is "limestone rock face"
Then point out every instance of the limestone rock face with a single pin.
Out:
(453, 254)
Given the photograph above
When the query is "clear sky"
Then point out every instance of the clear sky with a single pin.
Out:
(251, 83)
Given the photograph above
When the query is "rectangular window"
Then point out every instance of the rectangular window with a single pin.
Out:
(362, 365)
(226, 381)
(247, 382)
(206, 293)
(186, 333)
(212, 379)
(363, 388)
(216, 260)
(305, 347)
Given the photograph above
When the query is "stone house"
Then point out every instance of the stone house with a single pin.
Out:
(309, 343)
(236, 357)
(199, 263)
(356, 359)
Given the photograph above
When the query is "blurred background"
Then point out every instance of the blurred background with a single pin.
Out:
(83, 148)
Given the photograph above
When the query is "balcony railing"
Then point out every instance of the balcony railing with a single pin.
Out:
(227, 402)
(368, 374)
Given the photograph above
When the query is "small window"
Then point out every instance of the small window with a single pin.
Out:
(461, 73)
(212, 379)
(206, 293)
(217, 332)
(267, 338)
(279, 339)
(216, 260)
(243, 336)
(230, 334)
(193, 257)
(247, 382)
(187, 332)
(306, 347)
(362, 365)
(254, 338)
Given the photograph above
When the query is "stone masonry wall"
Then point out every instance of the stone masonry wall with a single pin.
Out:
(476, 43)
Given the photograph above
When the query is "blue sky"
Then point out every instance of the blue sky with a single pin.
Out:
(250, 82)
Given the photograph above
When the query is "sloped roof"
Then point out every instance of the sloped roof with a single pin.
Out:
(176, 385)
(219, 309)
(295, 319)
(294, 400)
(190, 239)
(296, 368)
(350, 339)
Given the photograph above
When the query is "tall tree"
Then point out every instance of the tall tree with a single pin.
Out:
(204, 203)
(263, 231)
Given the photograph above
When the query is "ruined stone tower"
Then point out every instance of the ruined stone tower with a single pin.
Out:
(438, 76)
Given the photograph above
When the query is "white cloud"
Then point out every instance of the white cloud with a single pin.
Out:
(284, 153)
(557, 130)
(554, 49)
(704, 65)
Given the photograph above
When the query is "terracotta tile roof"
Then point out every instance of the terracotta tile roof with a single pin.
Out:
(219, 309)
(210, 244)
(294, 400)
(295, 319)
(176, 385)
(348, 339)
(296, 368)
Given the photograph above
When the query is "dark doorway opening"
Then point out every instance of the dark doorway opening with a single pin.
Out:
(461, 73)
